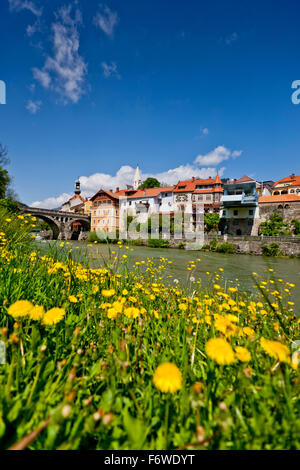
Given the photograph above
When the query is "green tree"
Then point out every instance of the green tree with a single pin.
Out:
(4, 176)
(150, 183)
(275, 226)
(211, 221)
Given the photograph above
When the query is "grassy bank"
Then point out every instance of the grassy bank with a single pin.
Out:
(115, 358)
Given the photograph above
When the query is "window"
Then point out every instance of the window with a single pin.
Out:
(250, 222)
(235, 212)
(224, 212)
(251, 212)
(200, 198)
(235, 222)
(208, 197)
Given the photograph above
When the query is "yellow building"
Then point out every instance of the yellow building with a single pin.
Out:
(288, 185)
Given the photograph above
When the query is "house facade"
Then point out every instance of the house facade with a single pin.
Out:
(105, 211)
(240, 209)
(205, 191)
(288, 185)
(145, 202)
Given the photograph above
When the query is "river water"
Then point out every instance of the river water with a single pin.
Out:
(235, 267)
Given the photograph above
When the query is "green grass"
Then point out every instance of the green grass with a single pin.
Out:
(87, 382)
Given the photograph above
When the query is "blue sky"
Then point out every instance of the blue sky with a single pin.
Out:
(181, 88)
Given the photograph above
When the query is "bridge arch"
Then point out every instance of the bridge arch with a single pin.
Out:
(53, 224)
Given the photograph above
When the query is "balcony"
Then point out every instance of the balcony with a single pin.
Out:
(239, 199)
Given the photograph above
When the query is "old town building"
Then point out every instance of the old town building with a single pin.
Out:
(204, 191)
(287, 205)
(105, 211)
(240, 211)
(288, 185)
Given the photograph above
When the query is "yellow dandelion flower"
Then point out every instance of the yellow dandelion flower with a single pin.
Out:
(112, 313)
(108, 292)
(131, 312)
(242, 354)
(73, 299)
(167, 378)
(53, 316)
(275, 349)
(21, 308)
(220, 351)
(37, 313)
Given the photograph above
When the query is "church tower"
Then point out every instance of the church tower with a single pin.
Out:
(137, 181)
(77, 187)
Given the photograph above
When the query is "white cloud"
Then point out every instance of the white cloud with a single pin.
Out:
(205, 131)
(42, 76)
(19, 5)
(236, 153)
(106, 20)
(124, 176)
(33, 106)
(33, 28)
(65, 71)
(216, 156)
(52, 202)
(110, 70)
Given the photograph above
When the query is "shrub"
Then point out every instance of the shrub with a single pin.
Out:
(225, 248)
(270, 250)
(158, 243)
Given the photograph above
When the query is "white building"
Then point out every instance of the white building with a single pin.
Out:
(148, 201)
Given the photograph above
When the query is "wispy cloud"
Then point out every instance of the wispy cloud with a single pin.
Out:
(64, 72)
(33, 106)
(217, 156)
(110, 70)
(230, 38)
(19, 5)
(91, 184)
(106, 20)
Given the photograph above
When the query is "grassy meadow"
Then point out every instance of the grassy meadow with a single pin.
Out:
(122, 358)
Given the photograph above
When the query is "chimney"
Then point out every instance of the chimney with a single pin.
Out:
(117, 190)
(293, 175)
(111, 190)
(193, 178)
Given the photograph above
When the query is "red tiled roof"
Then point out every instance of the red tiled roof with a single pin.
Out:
(279, 198)
(109, 193)
(149, 192)
(294, 180)
(243, 179)
(190, 185)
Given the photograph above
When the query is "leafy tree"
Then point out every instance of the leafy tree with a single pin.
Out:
(150, 183)
(211, 221)
(274, 226)
(4, 176)
(9, 204)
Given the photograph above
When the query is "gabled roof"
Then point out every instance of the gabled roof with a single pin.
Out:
(148, 192)
(243, 179)
(279, 198)
(108, 193)
(294, 180)
(190, 185)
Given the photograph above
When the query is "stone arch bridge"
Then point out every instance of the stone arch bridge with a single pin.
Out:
(61, 223)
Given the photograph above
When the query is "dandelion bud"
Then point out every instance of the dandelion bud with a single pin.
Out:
(200, 434)
(14, 339)
(4, 331)
(43, 348)
(197, 387)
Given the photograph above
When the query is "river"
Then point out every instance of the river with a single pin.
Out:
(235, 267)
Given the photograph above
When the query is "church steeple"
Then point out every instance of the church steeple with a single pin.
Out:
(77, 187)
(137, 180)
